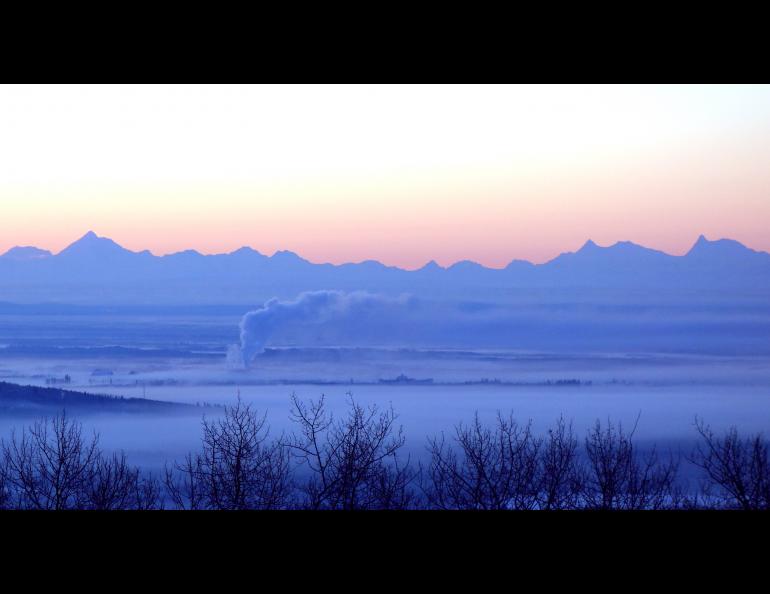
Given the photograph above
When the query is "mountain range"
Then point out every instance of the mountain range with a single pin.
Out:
(96, 269)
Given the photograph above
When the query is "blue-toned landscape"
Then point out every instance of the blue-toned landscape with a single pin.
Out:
(214, 348)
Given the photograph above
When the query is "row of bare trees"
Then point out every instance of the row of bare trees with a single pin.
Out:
(356, 462)
(506, 466)
(53, 466)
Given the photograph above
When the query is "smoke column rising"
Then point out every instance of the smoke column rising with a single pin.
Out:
(343, 313)
(337, 318)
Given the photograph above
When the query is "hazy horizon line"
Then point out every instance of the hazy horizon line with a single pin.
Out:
(586, 243)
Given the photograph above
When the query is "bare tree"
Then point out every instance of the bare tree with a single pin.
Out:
(185, 484)
(352, 463)
(238, 467)
(51, 465)
(618, 477)
(561, 477)
(494, 469)
(737, 471)
(5, 495)
(117, 485)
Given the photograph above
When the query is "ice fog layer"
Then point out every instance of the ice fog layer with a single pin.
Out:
(180, 357)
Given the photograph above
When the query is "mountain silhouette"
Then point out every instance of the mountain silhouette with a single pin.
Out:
(91, 245)
(25, 253)
(96, 269)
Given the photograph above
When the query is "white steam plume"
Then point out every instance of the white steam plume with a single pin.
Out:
(337, 314)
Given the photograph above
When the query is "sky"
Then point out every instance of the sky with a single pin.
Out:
(401, 174)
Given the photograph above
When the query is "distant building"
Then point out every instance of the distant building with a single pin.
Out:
(404, 380)
(55, 380)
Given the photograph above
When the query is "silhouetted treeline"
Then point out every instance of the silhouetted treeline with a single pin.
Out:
(53, 466)
(356, 462)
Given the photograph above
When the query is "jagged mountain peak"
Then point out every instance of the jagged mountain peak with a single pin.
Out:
(724, 251)
(431, 266)
(93, 245)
